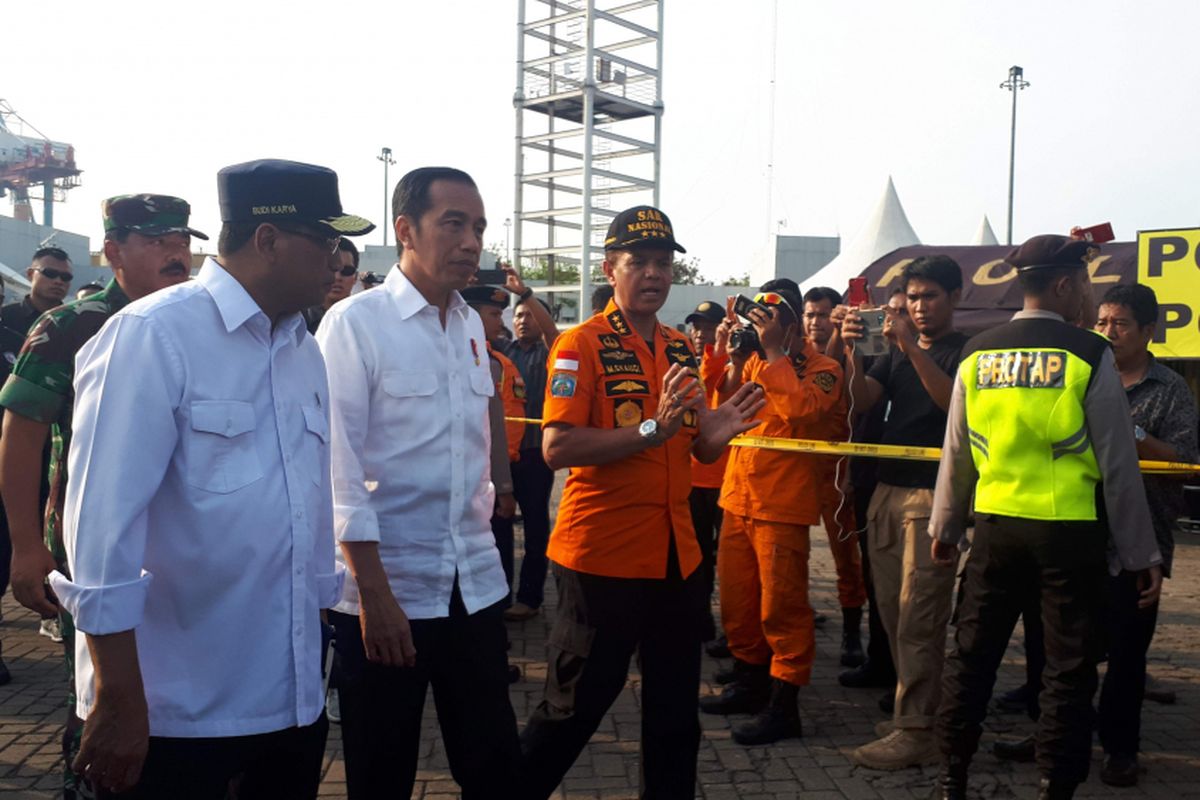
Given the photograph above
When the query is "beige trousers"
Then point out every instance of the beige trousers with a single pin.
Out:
(914, 598)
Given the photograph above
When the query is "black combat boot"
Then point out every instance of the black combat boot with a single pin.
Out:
(779, 720)
(951, 780)
(852, 649)
(746, 695)
(1051, 789)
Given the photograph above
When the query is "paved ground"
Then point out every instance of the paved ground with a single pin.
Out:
(818, 767)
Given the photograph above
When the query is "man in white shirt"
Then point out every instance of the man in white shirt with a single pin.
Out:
(409, 389)
(198, 519)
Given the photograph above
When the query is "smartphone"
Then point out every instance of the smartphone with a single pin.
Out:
(492, 277)
(873, 342)
(858, 294)
(742, 306)
(1096, 233)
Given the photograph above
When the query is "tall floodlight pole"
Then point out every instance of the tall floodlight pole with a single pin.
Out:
(1014, 83)
(385, 155)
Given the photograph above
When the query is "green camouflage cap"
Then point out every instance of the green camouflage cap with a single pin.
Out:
(147, 214)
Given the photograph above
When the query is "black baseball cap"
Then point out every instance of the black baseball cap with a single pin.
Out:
(641, 226)
(272, 190)
(1051, 251)
(482, 295)
(708, 310)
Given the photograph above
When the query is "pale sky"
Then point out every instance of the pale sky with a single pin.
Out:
(157, 96)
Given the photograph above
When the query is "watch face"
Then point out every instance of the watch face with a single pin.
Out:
(648, 428)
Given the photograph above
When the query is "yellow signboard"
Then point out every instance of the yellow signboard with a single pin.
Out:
(1169, 263)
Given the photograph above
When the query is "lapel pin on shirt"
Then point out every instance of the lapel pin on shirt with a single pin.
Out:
(475, 351)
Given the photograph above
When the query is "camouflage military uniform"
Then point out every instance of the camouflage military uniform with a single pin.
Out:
(40, 388)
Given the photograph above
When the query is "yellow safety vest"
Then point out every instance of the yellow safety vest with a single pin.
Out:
(1025, 385)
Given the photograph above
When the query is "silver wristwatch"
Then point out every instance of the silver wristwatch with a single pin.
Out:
(1139, 433)
(648, 430)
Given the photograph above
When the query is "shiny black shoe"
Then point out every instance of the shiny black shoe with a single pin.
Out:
(852, 649)
(1020, 750)
(747, 695)
(951, 781)
(718, 648)
(1119, 770)
(1015, 701)
(868, 676)
(779, 719)
(1055, 790)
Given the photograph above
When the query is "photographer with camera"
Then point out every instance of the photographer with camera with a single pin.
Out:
(914, 595)
(770, 499)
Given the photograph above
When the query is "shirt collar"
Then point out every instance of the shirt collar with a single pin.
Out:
(409, 297)
(619, 325)
(1154, 372)
(236, 306)
(1038, 313)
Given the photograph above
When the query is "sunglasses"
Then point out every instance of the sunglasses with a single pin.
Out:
(346, 272)
(330, 244)
(773, 299)
(56, 275)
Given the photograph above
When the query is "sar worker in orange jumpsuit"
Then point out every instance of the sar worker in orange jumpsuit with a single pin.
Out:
(770, 499)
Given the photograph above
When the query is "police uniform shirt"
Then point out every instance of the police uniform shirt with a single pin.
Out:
(1111, 435)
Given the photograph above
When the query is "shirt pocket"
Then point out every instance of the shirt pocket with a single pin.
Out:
(482, 384)
(316, 437)
(222, 454)
(410, 384)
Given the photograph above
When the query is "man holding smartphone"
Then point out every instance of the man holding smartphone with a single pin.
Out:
(914, 595)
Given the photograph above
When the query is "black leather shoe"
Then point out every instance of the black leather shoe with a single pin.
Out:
(852, 649)
(747, 695)
(1022, 750)
(868, 676)
(1055, 790)
(514, 673)
(780, 719)
(5, 675)
(951, 781)
(887, 703)
(1015, 701)
(1119, 770)
(718, 648)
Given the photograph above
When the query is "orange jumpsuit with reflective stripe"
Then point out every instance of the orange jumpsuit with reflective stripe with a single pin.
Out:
(770, 500)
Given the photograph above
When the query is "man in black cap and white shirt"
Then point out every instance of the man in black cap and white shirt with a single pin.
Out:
(200, 497)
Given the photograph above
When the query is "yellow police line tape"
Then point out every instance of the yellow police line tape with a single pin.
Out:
(900, 452)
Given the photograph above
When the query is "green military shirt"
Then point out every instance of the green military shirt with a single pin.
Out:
(41, 386)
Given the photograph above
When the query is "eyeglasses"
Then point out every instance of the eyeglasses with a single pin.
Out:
(346, 272)
(56, 275)
(330, 244)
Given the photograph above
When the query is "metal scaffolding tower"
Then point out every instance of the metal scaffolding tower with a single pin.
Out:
(589, 122)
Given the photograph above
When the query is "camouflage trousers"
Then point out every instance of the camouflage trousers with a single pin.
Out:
(74, 786)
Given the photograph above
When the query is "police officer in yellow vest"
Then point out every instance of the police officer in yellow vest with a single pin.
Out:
(1039, 430)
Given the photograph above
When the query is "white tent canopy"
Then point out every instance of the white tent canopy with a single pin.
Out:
(985, 236)
(884, 231)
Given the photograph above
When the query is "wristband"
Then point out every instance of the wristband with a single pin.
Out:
(525, 295)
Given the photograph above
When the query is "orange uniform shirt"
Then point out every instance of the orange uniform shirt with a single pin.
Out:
(775, 485)
(511, 390)
(618, 519)
(712, 372)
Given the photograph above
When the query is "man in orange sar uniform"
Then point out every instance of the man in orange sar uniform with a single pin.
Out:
(770, 499)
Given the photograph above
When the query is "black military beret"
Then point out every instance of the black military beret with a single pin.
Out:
(1051, 250)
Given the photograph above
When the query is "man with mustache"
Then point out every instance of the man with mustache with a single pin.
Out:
(148, 243)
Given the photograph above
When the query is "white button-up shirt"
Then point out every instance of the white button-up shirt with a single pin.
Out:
(199, 510)
(411, 445)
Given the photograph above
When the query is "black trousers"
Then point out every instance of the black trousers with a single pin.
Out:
(463, 657)
(706, 519)
(267, 766)
(601, 622)
(1131, 629)
(532, 483)
(879, 652)
(502, 530)
(1013, 560)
